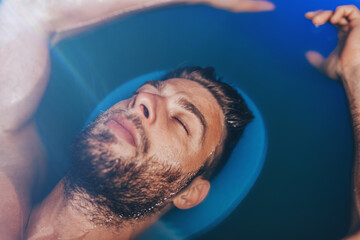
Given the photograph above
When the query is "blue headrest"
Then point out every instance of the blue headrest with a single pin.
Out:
(228, 188)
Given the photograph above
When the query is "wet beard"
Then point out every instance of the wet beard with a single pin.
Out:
(112, 188)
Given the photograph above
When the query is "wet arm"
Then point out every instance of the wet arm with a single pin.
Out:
(23, 77)
(351, 82)
(344, 64)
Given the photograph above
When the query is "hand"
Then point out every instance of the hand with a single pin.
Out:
(345, 59)
(241, 5)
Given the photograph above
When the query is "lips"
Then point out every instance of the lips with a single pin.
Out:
(122, 128)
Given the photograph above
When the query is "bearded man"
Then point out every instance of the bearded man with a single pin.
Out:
(144, 155)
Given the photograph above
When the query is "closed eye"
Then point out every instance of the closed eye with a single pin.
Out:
(182, 124)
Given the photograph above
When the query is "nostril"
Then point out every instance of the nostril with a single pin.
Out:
(145, 110)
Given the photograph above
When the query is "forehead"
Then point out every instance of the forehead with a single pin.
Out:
(182, 86)
(194, 91)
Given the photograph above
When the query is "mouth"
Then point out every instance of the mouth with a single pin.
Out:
(122, 128)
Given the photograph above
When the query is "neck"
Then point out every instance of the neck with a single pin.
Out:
(58, 217)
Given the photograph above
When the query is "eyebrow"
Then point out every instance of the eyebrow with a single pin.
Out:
(188, 106)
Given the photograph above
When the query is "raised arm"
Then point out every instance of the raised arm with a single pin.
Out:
(344, 64)
(26, 27)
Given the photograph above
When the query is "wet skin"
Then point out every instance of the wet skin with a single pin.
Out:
(181, 119)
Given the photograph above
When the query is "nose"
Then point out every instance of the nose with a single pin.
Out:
(147, 104)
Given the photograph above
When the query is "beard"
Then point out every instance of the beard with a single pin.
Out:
(115, 187)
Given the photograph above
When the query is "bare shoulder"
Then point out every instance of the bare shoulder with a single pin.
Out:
(22, 166)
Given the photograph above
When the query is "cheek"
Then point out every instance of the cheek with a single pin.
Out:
(167, 155)
(167, 148)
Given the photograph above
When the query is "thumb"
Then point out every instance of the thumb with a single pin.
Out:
(315, 59)
(327, 66)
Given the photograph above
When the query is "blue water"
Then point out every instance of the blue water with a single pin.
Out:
(303, 191)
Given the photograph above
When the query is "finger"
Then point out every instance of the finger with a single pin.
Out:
(311, 14)
(342, 13)
(315, 59)
(253, 6)
(319, 17)
(341, 22)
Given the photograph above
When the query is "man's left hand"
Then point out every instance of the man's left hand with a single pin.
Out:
(345, 59)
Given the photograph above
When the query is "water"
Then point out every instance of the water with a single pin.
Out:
(303, 191)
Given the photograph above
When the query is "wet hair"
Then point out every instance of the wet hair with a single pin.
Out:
(236, 114)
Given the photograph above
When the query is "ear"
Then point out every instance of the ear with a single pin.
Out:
(194, 194)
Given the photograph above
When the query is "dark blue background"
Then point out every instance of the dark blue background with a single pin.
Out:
(303, 191)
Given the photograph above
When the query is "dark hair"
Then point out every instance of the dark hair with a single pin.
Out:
(237, 114)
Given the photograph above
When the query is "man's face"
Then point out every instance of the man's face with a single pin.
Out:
(180, 119)
(145, 149)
